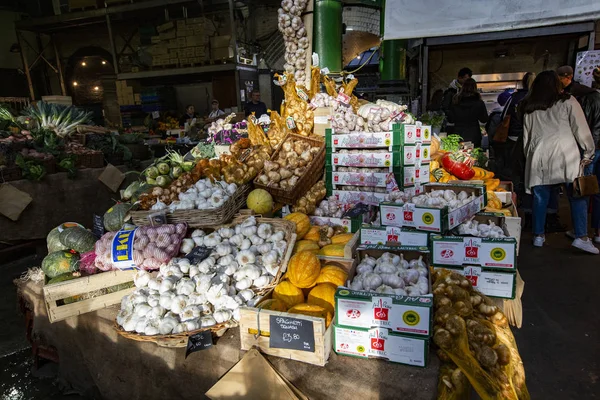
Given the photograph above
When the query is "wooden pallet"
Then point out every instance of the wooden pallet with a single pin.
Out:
(55, 294)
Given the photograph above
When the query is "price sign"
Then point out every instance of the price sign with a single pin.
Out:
(199, 341)
(155, 114)
(198, 254)
(291, 333)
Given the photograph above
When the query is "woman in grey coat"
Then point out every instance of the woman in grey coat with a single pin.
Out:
(557, 144)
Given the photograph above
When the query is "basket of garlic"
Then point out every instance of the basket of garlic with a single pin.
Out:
(247, 259)
(293, 169)
(202, 205)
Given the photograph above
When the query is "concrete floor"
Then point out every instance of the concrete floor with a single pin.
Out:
(559, 341)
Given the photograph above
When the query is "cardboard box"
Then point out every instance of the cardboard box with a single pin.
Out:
(222, 53)
(458, 251)
(220, 41)
(362, 140)
(167, 35)
(155, 39)
(355, 197)
(363, 309)
(433, 219)
(380, 343)
(322, 120)
(392, 235)
(368, 160)
(181, 42)
(166, 26)
(368, 309)
(513, 223)
(181, 24)
(350, 225)
(489, 281)
(417, 133)
(412, 175)
(413, 153)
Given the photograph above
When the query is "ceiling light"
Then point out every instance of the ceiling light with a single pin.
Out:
(75, 83)
(103, 62)
(96, 88)
(83, 64)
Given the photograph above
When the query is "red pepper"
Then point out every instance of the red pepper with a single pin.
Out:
(459, 165)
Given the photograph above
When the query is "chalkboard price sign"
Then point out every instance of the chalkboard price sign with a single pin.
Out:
(199, 341)
(98, 226)
(291, 333)
(198, 254)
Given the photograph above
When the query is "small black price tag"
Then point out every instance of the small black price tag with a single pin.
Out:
(199, 341)
(98, 226)
(158, 218)
(198, 254)
(291, 333)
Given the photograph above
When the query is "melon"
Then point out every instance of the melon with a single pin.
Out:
(79, 239)
(60, 262)
(114, 218)
(260, 201)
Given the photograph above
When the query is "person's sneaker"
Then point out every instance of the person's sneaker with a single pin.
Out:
(570, 234)
(553, 224)
(585, 245)
(538, 241)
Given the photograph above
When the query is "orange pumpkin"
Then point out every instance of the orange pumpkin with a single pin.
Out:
(342, 238)
(274, 305)
(303, 269)
(332, 274)
(302, 223)
(306, 245)
(323, 295)
(312, 310)
(288, 294)
(314, 234)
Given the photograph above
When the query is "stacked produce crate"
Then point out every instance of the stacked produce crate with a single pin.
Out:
(181, 42)
(360, 166)
(380, 324)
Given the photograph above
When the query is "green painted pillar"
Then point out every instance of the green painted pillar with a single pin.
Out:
(392, 60)
(327, 34)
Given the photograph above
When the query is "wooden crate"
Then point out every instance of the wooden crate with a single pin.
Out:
(253, 320)
(54, 294)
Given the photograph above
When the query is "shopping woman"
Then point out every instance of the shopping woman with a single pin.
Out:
(557, 143)
(467, 111)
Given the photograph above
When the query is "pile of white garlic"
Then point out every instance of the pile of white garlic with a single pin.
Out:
(203, 195)
(397, 196)
(475, 228)
(443, 198)
(392, 274)
(294, 37)
(331, 207)
(184, 297)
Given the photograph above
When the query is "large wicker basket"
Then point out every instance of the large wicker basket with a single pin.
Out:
(12, 173)
(90, 160)
(313, 173)
(200, 218)
(181, 339)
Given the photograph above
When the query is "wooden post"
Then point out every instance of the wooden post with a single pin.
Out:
(112, 45)
(308, 25)
(25, 65)
(61, 78)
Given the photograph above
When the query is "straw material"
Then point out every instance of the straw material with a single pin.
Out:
(200, 218)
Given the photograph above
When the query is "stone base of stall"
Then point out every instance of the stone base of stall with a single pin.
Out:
(95, 359)
(58, 199)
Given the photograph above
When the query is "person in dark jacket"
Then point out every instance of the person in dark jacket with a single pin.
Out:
(453, 89)
(467, 111)
(589, 99)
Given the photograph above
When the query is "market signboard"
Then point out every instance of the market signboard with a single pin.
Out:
(291, 333)
(448, 18)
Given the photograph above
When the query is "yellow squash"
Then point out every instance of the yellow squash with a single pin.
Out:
(323, 295)
(288, 294)
(303, 269)
(332, 274)
(341, 238)
(333, 250)
(302, 223)
(312, 310)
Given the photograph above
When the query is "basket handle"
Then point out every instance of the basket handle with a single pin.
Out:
(257, 334)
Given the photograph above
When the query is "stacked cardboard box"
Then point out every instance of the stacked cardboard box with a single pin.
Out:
(375, 325)
(125, 95)
(368, 161)
(181, 42)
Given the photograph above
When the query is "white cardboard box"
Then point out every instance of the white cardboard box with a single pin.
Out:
(493, 283)
(458, 251)
(393, 235)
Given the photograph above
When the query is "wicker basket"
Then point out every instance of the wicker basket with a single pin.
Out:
(200, 218)
(174, 340)
(181, 339)
(313, 173)
(12, 173)
(90, 160)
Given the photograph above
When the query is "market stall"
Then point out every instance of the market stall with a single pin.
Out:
(340, 238)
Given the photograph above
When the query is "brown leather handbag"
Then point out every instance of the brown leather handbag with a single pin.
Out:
(585, 185)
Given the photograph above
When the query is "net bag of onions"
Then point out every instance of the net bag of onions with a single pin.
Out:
(473, 334)
(152, 246)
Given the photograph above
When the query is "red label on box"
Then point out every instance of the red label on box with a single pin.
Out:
(408, 216)
(353, 314)
(418, 132)
(380, 313)
(390, 216)
(447, 254)
(472, 279)
(472, 252)
(377, 344)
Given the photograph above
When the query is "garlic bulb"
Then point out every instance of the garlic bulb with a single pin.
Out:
(222, 315)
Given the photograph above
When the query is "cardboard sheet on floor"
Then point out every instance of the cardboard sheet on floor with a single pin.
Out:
(112, 177)
(13, 201)
(253, 377)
